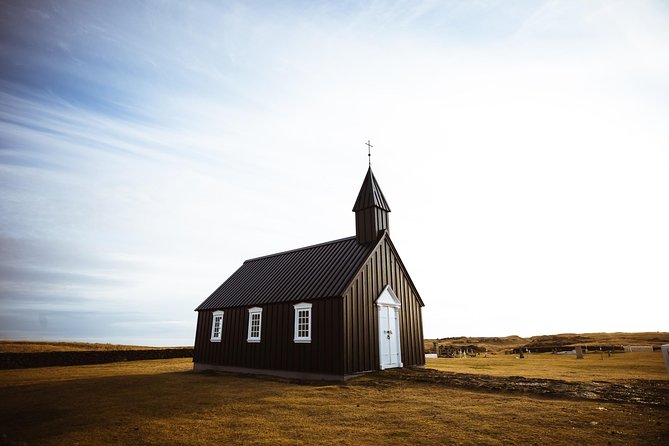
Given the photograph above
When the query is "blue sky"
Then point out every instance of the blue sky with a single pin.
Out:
(148, 148)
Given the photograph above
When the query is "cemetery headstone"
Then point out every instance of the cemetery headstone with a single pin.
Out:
(665, 354)
(579, 352)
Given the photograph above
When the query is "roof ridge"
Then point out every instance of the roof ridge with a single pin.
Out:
(299, 249)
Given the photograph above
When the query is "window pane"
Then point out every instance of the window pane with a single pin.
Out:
(216, 326)
(303, 323)
(255, 325)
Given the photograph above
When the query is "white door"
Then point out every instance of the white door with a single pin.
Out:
(389, 334)
(388, 337)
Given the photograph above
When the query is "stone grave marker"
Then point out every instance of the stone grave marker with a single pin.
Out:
(579, 352)
(665, 354)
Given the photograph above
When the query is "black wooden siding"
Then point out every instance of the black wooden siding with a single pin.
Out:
(361, 346)
(276, 350)
(369, 223)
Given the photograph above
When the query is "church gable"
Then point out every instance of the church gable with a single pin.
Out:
(361, 347)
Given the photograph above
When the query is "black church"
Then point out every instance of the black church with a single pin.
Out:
(327, 311)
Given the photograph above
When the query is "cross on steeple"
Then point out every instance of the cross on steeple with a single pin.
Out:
(369, 151)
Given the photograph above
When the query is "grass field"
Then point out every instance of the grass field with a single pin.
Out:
(163, 402)
(593, 367)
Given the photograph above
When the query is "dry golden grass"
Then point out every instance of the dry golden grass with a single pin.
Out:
(36, 347)
(163, 402)
(22, 377)
(593, 367)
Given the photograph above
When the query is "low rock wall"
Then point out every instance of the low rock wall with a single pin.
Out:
(46, 359)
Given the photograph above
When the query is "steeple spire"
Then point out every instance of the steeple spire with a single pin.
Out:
(371, 210)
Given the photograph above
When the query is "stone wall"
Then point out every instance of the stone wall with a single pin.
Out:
(47, 359)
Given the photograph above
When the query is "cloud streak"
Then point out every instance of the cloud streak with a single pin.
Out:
(147, 148)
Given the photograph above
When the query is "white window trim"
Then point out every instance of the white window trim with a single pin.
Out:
(302, 339)
(218, 338)
(252, 311)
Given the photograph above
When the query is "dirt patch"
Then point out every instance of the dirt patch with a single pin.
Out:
(646, 392)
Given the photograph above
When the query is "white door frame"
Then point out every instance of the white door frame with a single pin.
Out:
(388, 301)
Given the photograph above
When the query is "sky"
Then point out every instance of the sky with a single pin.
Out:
(147, 148)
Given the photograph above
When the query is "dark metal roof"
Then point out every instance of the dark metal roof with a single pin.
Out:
(370, 195)
(312, 272)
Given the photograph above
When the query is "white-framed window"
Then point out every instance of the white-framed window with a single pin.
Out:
(255, 324)
(302, 323)
(216, 326)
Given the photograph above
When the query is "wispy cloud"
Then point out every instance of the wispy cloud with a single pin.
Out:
(147, 148)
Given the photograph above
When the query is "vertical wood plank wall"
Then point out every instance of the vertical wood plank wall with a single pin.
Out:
(361, 346)
(369, 223)
(276, 349)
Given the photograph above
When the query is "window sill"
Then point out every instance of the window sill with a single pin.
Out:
(215, 340)
(253, 341)
(302, 341)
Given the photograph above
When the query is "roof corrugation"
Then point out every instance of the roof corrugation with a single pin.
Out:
(312, 272)
(370, 194)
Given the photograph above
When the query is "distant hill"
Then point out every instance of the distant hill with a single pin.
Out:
(558, 340)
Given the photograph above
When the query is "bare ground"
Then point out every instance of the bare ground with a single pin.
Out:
(639, 391)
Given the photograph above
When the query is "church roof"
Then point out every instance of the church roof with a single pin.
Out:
(370, 195)
(312, 272)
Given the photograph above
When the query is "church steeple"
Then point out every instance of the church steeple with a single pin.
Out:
(371, 210)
